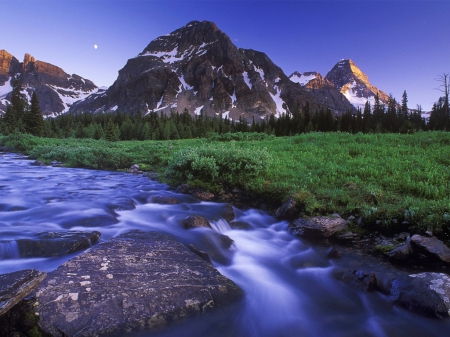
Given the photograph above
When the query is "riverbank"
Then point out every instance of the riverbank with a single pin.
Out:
(390, 183)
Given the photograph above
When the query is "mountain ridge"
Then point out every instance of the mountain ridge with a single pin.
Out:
(56, 89)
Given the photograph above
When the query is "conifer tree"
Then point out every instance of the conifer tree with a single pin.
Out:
(33, 120)
(110, 134)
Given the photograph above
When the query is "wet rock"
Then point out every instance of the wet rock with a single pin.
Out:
(137, 281)
(16, 286)
(164, 200)
(134, 169)
(203, 255)
(240, 225)
(332, 253)
(348, 237)
(318, 227)
(228, 213)
(57, 163)
(225, 241)
(195, 221)
(122, 204)
(287, 211)
(183, 189)
(431, 247)
(402, 252)
(359, 279)
(202, 194)
(427, 294)
(52, 244)
(38, 163)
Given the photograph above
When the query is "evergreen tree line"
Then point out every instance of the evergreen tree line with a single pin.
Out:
(394, 117)
(20, 116)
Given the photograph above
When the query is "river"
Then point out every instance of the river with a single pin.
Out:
(288, 283)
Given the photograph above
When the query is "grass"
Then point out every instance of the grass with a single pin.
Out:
(388, 179)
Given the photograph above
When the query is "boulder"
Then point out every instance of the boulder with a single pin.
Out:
(16, 286)
(134, 169)
(432, 247)
(38, 163)
(427, 294)
(203, 255)
(52, 244)
(359, 279)
(287, 211)
(228, 212)
(202, 194)
(137, 281)
(183, 189)
(318, 227)
(195, 221)
(332, 253)
(402, 252)
(163, 199)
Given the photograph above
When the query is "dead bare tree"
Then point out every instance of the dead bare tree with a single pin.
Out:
(444, 87)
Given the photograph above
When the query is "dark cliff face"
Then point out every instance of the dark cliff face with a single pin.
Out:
(354, 84)
(55, 89)
(198, 68)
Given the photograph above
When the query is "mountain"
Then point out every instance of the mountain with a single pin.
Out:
(197, 67)
(323, 90)
(55, 89)
(354, 84)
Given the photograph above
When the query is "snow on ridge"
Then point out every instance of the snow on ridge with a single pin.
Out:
(247, 80)
(114, 108)
(74, 96)
(279, 102)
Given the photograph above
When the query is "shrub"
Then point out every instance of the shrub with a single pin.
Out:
(225, 164)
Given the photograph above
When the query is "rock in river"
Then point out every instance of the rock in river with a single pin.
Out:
(425, 293)
(319, 227)
(134, 282)
(51, 244)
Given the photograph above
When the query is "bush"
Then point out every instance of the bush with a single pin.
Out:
(219, 164)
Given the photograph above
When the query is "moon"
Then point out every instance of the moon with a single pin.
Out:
(95, 46)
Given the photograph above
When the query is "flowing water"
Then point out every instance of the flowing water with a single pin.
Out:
(288, 283)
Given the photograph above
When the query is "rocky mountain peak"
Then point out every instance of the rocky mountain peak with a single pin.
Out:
(56, 90)
(198, 68)
(8, 65)
(354, 84)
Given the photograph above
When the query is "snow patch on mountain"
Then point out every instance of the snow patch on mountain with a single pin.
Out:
(185, 85)
(357, 102)
(278, 102)
(69, 96)
(198, 111)
(247, 80)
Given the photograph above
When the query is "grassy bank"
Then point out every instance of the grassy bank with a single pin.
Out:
(385, 178)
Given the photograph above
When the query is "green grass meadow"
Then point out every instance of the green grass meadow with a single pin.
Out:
(385, 178)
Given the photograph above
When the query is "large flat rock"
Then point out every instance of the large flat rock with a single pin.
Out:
(16, 286)
(136, 281)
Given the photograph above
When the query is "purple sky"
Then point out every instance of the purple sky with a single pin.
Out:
(400, 45)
